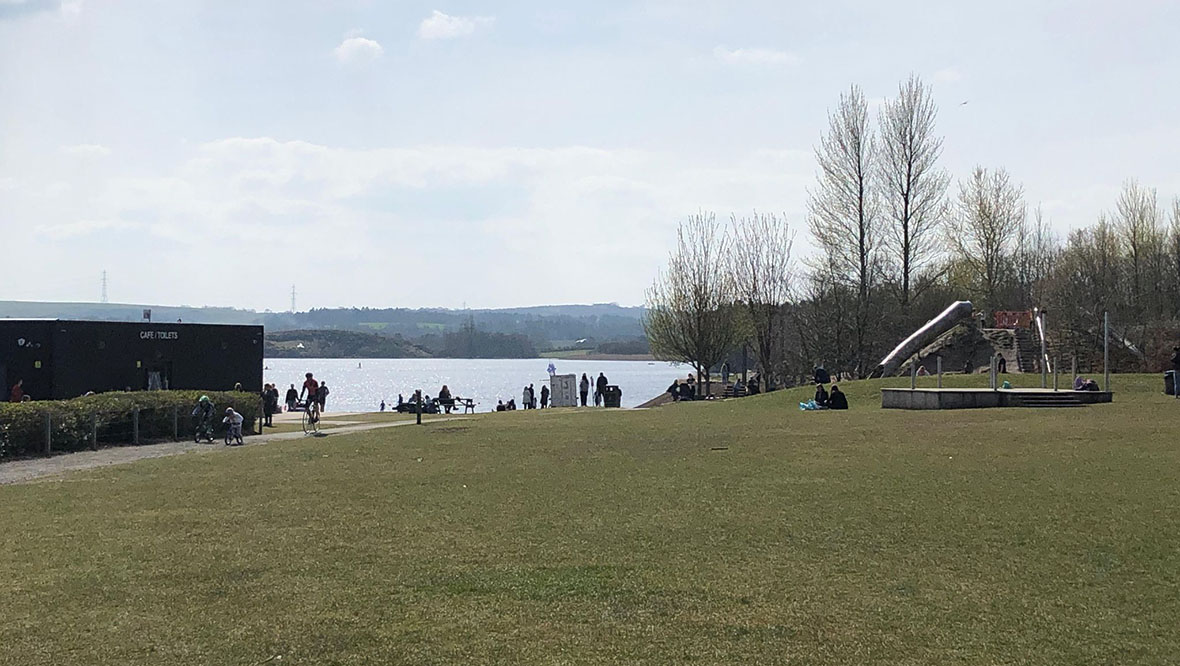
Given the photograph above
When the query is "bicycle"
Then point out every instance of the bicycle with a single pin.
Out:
(233, 432)
(204, 430)
(311, 423)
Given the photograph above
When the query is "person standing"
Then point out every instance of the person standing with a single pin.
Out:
(584, 388)
(600, 389)
(292, 398)
(265, 396)
(322, 396)
(18, 391)
(532, 397)
(544, 396)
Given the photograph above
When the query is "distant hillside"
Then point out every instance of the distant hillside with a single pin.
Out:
(338, 344)
(546, 326)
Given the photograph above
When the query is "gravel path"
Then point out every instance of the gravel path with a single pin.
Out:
(22, 471)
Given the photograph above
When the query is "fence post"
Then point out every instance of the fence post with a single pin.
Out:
(48, 433)
(418, 399)
(94, 431)
(939, 361)
(135, 426)
(1056, 365)
(175, 422)
(913, 374)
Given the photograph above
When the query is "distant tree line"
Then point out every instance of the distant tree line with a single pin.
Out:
(897, 241)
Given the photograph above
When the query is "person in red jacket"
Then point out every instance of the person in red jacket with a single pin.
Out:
(18, 391)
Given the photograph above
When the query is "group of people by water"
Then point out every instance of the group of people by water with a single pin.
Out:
(313, 397)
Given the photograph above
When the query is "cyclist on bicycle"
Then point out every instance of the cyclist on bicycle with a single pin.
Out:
(203, 414)
(233, 421)
(312, 388)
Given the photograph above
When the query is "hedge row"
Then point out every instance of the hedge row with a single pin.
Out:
(72, 422)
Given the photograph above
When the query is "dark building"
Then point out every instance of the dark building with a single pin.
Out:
(65, 359)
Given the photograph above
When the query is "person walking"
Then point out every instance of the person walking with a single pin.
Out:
(584, 388)
(544, 396)
(600, 389)
(292, 398)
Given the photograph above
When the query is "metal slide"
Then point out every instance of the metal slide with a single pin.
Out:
(1039, 319)
(922, 337)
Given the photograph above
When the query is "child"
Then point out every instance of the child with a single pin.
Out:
(233, 421)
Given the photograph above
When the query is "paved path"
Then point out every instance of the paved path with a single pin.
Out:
(21, 471)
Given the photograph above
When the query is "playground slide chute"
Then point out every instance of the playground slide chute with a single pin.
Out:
(922, 337)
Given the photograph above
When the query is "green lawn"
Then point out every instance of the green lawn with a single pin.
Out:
(593, 536)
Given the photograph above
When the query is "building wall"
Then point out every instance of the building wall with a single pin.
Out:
(26, 352)
(83, 356)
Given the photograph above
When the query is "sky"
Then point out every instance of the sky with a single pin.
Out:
(480, 154)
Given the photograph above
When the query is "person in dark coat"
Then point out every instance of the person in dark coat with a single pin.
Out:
(584, 388)
(544, 396)
(837, 400)
(822, 376)
(674, 390)
(292, 398)
(1176, 359)
(821, 396)
(600, 388)
(321, 397)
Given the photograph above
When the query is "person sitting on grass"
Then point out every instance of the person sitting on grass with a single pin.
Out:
(1079, 383)
(837, 400)
(821, 396)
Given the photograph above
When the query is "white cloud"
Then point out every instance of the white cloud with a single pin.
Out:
(71, 8)
(499, 206)
(755, 56)
(444, 26)
(358, 49)
(86, 150)
(947, 75)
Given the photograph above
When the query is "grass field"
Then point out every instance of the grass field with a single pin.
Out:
(593, 536)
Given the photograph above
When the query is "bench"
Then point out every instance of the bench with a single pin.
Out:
(468, 404)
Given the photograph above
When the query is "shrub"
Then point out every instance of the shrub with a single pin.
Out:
(110, 416)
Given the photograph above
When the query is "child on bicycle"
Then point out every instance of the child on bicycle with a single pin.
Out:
(203, 415)
(233, 421)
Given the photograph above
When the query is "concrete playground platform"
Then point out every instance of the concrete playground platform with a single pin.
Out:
(966, 398)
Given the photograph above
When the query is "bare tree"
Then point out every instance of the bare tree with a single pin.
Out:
(690, 314)
(913, 187)
(1137, 221)
(843, 208)
(1174, 261)
(988, 218)
(760, 265)
(1035, 248)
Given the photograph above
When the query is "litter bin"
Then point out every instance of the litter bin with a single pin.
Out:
(1170, 382)
(612, 397)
